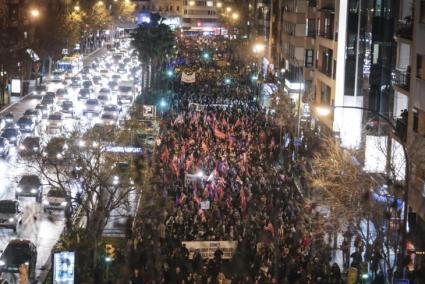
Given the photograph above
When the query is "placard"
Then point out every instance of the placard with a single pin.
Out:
(63, 267)
(205, 205)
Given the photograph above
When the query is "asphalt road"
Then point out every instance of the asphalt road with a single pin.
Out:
(43, 229)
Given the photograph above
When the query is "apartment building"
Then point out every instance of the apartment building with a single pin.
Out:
(200, 16)
(409, 87)
(171, 10)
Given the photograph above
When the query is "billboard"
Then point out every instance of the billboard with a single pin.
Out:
(63, 267)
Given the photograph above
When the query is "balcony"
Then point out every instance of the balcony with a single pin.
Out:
(401, 79)
(326, 34)
(404, 29)
(311, 33)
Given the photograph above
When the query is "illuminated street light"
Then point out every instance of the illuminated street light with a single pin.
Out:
(323, 110)
(77, 8)
(191, 3)
(100, 3)
(235, 16)
(162, 103)
(35, 13)
(206, 56)
(227, 81)
(229, 9)
(254, 78)
(219, 5)
(259, 48)
(169, 73)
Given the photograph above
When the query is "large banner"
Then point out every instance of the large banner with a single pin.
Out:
(188, 77)
(207, 248)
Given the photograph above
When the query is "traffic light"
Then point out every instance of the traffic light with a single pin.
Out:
(110, 252)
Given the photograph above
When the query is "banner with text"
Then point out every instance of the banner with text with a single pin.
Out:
(207, 248)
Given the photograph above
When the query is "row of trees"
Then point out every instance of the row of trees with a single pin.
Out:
(155, 42)
(63, 24)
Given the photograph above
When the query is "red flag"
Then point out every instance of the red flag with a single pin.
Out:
(219, 134)
(204, 146)
(165, 155)
(242, 200)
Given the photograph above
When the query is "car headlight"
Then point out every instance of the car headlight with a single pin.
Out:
(45, 202)
(43, 93)
(11, 220)
(1, 149)
(63, 204)
(27, 127)
(22, 147)
(19, 190)
(33, 190)
(35, 148)
(2, 263)
(12, 138)
(59, 156)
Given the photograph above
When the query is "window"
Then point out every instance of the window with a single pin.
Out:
(422, 12)
(185, 12)
(178, 8)
(309, 58)
(210, 3)
(420, 65)
(325, 94)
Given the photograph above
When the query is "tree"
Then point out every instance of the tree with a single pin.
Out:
(96, 181)
(123, 11)
(154, 42)
(352, 197)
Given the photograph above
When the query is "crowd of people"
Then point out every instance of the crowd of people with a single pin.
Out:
(220, 167)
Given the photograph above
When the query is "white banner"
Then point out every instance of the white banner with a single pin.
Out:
(188, 77)
(207, 248)
(149, 111)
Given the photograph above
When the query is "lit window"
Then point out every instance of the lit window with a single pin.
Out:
(210, 3)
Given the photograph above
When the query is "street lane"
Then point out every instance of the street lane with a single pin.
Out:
(43, 229)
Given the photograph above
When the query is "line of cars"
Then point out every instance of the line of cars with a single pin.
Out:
(99, 95)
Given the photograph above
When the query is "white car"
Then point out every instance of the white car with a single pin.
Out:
(55, 199)
(92, 107)
(111, 109)
(54, 124)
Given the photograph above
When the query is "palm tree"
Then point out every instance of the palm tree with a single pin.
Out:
(154, 41)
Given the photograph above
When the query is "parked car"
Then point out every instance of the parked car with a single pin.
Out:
(10, 214)
(16, 253)
(30, 186)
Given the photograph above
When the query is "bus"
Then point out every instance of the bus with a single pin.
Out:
(71, 65)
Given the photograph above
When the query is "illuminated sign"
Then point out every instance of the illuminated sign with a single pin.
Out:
(16, 86)
(63, 267)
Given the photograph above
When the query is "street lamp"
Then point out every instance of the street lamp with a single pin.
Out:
(219, 5)
(326, 110)
(259, 48)
(229, 9)
(35, 13)
(77, 8)
(205, 55)
(100, 3)
(192, 3)
(235, 16)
